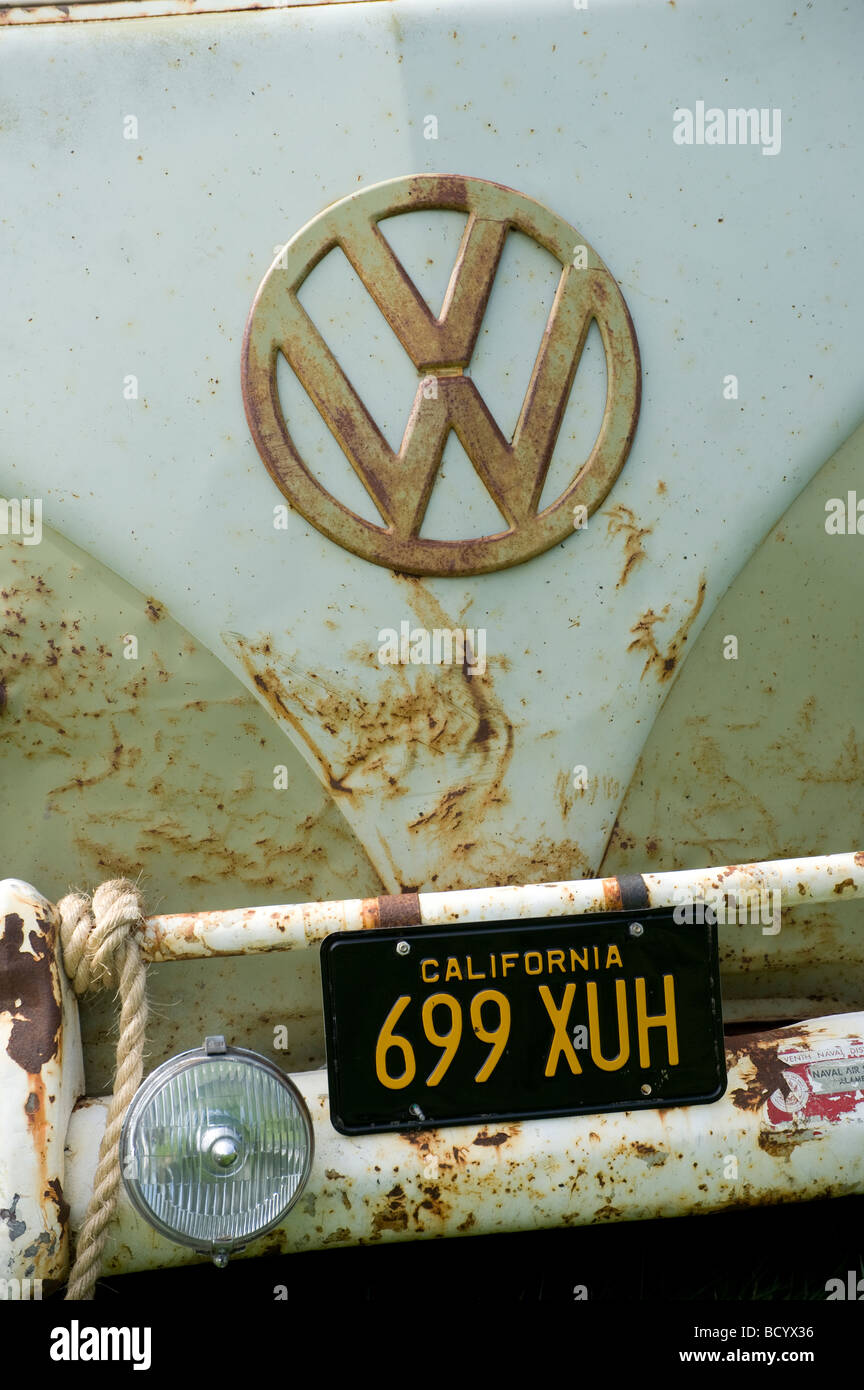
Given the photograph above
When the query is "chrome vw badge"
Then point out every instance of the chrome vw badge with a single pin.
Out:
(514, 470)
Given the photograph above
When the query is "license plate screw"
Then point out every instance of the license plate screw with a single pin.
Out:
(402, 948)
(416, 1112)
(637, 929)
(646, 1089)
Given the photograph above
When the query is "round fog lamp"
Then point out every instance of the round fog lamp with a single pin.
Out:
(216, 1147)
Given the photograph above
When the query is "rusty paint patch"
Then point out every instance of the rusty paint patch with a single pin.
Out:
(54, 1193)
(338, 1237)
(765, 1072)
(782, 1143)
(664, 663)
(441, 727)
(393, 1216)
(27, 993)
(512, 471)
(611, 894)
(622, 521)
(392, 910)
(14, 1225)
(649, 1154)
(432, 1202)
(154, 610)
(355, 739)
(484, 1138)
(421, 1140)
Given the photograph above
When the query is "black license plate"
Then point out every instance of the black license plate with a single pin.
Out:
(526, 1019)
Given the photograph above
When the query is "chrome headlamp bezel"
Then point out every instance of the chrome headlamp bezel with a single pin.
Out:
(214, 1050)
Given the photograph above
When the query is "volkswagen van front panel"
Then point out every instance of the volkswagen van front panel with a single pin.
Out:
(430, 475)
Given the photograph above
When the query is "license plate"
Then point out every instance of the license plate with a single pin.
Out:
(518, 1020)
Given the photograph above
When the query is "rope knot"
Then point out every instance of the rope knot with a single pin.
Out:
(96, 933)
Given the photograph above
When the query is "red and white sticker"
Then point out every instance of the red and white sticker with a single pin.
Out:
(825, 1082)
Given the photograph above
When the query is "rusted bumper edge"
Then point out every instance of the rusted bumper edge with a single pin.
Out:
(179, 936)
(41, 1078)
(774, 1137)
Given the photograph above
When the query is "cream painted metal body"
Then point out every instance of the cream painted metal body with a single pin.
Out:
(190, 678)
(706, 243)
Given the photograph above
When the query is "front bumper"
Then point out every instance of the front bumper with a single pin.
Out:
(757, 1145)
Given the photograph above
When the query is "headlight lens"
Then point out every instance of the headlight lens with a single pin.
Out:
(216, 1147)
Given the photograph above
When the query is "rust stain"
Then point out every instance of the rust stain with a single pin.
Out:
(154, 610)
(764, 1068)
(432, 1202)
(567, 795)
(444, 726)
(54, 1193)
(419, 1139)
(484, 1138)
(355, 741)
(612, 894)
(664, 663)
(118, 758)
(782, 1143)
(622, 521)
(34, 1109)
(338, 1237)
(391, 910)
(27, 993)
(393, 1216)
(129, 770)
(38, 1126)
(608, 1212)
(422, 723)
